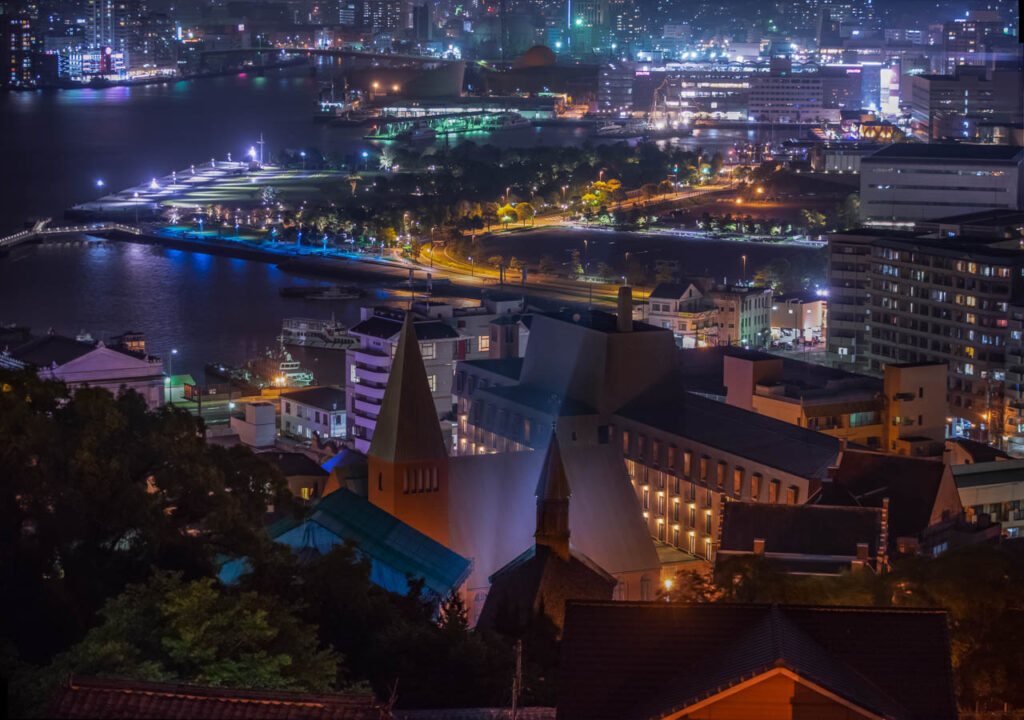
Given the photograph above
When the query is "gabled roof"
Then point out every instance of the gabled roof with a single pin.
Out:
(325, 398)
(615, 655)
(396, 550)
(407, 427)
(800, 529)
(388, 328)
(493, 506)
(670, 291)
(294, 463)
(88, 697)
(866, 478)
(49, 349)
(670, 408)
(979, 451)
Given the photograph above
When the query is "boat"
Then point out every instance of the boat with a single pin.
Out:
(276, 367)
(321, 292)
(419, 132)
(628, 129)
(513, 121)
(325, 334)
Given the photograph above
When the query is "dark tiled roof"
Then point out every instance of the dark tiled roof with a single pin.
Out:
(388, 328)
(110, 698)
(670, 408)
(947, 151)
(615, 656)
(801, 529)
(290, 463)
(506, 367)
(49, 349)
(866, 478)
(669, 291)
(326, 397)
(979, 451)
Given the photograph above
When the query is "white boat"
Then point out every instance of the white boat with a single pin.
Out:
(419, 132)
(627, 129)
(278, 368)
(326, 334)
(512, 121)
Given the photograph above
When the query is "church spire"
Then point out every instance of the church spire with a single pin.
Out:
(407, 427)
(553, 503)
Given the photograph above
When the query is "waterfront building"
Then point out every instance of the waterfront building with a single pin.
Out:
(943, 296)
(685, 310)
(907, 182)
(744, 315)
(313, 411)
(615, 88)
(754, 661)
(805, 539)
(993, 492)
(81, 364)
(446, 334)
(787, 98)
(961, 104)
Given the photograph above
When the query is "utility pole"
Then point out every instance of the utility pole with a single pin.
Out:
(261, 144)
(517, 680)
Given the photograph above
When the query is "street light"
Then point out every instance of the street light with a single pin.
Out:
(507, 191)
(136, 196)
(99, 183)
(170, 362)
(302, 154)
(744, 258)
(472, 267)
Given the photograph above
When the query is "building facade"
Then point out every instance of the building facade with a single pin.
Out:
(313, 411)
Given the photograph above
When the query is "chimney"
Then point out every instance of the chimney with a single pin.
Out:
(625, 311)
(759, 546)
(862, 551)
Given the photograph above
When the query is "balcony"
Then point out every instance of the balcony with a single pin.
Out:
(364, 374)
(370, 357)
(366, 408)
(364, 422)
(365, 390)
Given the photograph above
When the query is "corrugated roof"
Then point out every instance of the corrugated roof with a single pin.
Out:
(615, 656)
(87, 697)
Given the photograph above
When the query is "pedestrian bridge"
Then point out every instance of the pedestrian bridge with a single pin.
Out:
(43, 229)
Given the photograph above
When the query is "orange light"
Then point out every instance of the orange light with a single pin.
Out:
(760, 191)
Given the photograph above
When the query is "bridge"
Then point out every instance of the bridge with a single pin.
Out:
(384, 58)
(43, 229)
(446, 124)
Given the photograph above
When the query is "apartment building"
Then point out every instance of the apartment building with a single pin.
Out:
(928, 297)
(446, 334)
(313, 411)
(744, 315)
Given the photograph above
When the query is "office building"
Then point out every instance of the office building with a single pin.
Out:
(744, 315)
(964, 103)
(906, 182)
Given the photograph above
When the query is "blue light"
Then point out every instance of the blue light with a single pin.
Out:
(365, 154)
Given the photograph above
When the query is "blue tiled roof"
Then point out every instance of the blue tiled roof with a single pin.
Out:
(396, 550)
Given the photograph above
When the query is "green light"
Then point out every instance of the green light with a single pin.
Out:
(579, 21)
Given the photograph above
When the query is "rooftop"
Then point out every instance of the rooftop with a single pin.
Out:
(388, 328)
(89, 697)
(615, 655)
(948, 152)
(996, 472)
(539, 399)
(599, 320)
(506, 367)
(325, 397)
(800, 529)
(51, 349)
(669, 407)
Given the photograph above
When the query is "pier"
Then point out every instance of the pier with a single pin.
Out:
(43, 229)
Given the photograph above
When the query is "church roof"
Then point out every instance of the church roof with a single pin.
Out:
(407, 427)
(553, 484)
(614, 656)
(396, 550)
(492, 509)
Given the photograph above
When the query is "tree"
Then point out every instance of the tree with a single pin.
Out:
(574, 263)
(605, 271)
(519, 266)
(547, 265)
(196, 632)
(665, 274)
(849, 211)
(813, 219)
(717, 163)
(388, 236)
(98, 490)
(648, 191)
(525, 211)
(507, 214)
(268, 195)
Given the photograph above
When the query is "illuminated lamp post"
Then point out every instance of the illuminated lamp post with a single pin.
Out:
(302, 154)
(135, 195)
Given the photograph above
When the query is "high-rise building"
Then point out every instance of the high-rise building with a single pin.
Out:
(959, 104)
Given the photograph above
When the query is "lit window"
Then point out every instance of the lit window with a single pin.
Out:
(773, 491)
(432, 380)
(428, 351)
(306, 492)
(483, 343)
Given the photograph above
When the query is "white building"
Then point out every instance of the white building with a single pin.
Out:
(313, 411)
(258, 425)
(684, 309)
(445, 333)
(995, 489)
(906, 182)
(81, 364)
(744, 315)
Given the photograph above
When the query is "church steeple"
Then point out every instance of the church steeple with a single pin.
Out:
(553, 503)
(407, 461)
(407, 426)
